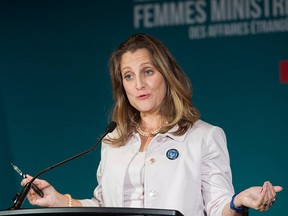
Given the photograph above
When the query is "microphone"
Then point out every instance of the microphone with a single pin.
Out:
(20, 198)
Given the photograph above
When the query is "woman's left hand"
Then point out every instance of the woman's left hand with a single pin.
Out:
(258, 198)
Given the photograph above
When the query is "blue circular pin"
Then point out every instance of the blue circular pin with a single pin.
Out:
(172, 154)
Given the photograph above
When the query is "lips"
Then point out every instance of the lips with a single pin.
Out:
(143, 96)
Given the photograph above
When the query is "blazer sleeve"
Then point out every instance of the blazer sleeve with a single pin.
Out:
(97, 199)
(216, 173)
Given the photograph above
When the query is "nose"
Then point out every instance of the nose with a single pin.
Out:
(139, 83)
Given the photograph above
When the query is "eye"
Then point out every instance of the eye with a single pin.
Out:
(128, 77)
(148, 72)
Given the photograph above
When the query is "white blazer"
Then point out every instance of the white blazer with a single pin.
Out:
(198, 182)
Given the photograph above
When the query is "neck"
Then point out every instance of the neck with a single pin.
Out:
(151, 122)
(150, 126)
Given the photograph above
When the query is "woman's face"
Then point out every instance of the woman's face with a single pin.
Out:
(145, 87)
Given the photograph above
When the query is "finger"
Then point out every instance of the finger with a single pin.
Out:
(39, 182)
(262, 199)
(33, 198)
(271, 194)
(278, 188)
(268, 195)
(272, 191)
(24, 182)
(29, 176)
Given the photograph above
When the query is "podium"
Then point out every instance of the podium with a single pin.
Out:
(90, 211)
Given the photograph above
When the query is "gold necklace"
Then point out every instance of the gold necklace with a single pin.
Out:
(146, 134)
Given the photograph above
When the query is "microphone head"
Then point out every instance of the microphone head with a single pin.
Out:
(111, 127)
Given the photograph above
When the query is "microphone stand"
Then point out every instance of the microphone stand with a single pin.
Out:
(20, 198)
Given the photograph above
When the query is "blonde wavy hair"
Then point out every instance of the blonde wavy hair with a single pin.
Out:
(177, 107)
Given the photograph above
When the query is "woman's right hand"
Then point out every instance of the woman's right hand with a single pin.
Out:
(52, 198)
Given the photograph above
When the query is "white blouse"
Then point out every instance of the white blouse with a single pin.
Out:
(134, 182)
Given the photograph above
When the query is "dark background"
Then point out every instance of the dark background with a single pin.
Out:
(55, 92)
